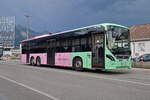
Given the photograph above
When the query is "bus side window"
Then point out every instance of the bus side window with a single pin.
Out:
(76, 45)
(83, 44)
(89, 44)
(57, 46)
(86, 44)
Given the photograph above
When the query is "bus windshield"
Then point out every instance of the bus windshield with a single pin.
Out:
(118, 40)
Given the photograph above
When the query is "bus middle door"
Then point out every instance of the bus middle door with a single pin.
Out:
(51, 52)
(97, 50)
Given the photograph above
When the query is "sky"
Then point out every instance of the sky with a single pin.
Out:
(61, 15)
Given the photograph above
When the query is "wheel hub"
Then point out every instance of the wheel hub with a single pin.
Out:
(78, 64)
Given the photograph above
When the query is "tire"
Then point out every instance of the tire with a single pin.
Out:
(32, 61)
(78, 64)
(38, 61)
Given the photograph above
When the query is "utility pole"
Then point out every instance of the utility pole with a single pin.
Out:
(28, 24)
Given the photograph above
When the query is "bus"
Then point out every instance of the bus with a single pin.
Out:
(102, 46)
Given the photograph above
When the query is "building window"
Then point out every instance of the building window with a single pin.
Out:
(141, 47)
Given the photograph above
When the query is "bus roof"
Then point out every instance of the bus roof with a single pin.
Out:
(50, 34)
(104, 24)
(37, 37)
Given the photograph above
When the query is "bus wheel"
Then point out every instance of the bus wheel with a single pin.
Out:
(78, 64)
(32, 61)
(38, 61)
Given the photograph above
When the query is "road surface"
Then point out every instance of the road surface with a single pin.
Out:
(24, 82)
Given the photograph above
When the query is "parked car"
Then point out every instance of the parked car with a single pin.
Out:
(144, 58)
(135, 59)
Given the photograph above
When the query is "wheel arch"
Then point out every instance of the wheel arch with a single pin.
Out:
(76, 58)
(32, 57)
(86, 60)
(38, 57)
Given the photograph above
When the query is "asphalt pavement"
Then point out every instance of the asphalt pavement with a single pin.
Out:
(24, 82)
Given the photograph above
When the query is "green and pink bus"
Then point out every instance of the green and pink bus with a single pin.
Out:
(103, 46)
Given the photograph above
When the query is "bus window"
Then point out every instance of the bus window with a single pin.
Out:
(76, 45)
(83, 41)
(75, 42)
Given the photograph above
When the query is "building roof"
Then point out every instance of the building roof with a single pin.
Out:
(140, 32)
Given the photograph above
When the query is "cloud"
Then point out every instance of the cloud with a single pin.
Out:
(59, 15)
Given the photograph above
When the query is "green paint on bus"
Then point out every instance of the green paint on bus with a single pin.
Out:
(118, 63)
(86, 58)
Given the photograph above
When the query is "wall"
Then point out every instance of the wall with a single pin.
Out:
(11, 52)
(7, 53)
(139, 48)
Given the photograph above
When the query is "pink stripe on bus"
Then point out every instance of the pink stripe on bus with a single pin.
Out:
(23, 58)
(43, 57)
(63, 59)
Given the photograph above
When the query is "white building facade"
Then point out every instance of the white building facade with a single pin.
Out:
(7, 33)
(140, 40)
(140, 47)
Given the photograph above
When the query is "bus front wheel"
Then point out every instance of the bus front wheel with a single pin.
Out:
(78, 64)
(38, 61)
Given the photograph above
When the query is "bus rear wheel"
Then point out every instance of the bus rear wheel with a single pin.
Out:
(78, 64)
(38, 61)
(32, 61)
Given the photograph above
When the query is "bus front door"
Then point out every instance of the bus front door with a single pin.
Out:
(98, 50)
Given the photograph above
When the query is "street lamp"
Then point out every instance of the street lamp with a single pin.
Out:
(28, 24)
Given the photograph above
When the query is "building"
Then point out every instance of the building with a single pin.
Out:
(140, 39)
(7, 33)
(15, 51)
